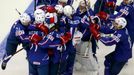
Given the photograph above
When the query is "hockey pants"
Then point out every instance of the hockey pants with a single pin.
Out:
(112, 67)
(38, 69)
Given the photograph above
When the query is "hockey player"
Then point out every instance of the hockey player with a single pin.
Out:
(82, 12)
(17, 36)
(115, 61)
(125, 10)
(71, 22)
(52, 43)
(87, 41)
(20, 33)
(38, 57)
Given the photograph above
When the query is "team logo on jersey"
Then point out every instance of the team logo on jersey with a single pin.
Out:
(19, 32)
(50, 37)
(124, 11)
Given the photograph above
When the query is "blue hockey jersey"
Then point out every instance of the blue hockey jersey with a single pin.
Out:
(36, 55)
(123, 49)
(71, 24)
(84, 26)
(53, 42)
(127, 12)
(18, 34)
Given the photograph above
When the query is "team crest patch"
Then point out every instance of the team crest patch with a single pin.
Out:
(19, 32)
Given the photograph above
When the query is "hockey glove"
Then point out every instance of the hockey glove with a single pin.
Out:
(35, 39)
(95, 26)
(65, 38)
(94, 31)
(43, 28)
(103, 15)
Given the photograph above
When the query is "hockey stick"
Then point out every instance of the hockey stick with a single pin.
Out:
(3, 65)
(86, 51)
(10, 56)
(18, 11)
(100, 5)
(35, 5)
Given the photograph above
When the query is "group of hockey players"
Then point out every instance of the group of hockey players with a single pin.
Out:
(56, 36)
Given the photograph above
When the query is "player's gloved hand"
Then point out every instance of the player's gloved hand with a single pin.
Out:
(4, 63)
(94, 31)
(95, 26)
(103, 15)
(110, 4)
(35, 39)
(43, 28)
(65, 38)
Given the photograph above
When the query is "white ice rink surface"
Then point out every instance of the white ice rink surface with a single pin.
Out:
(18, 64)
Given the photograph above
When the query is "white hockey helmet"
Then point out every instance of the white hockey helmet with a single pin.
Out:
(120, 22)
(39, 12)
(59, 8)
(39, 19)
(68, 10)
(25, 19)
